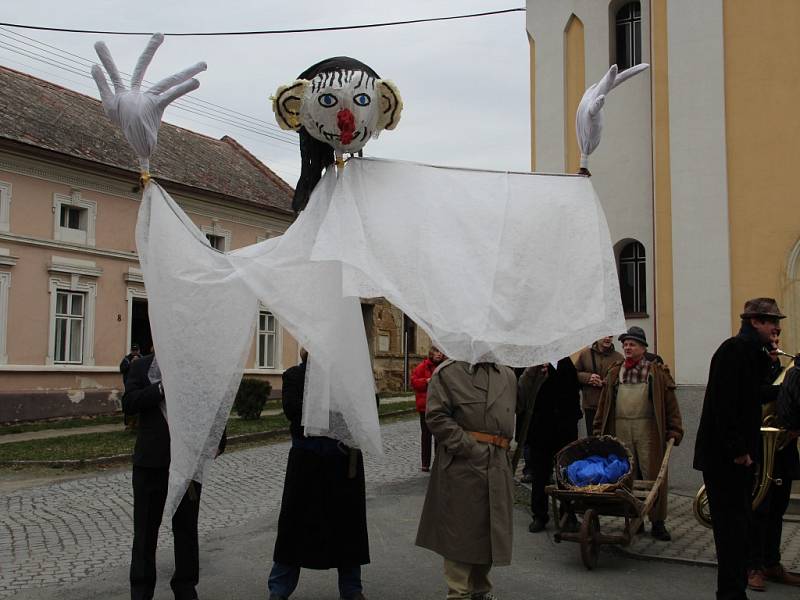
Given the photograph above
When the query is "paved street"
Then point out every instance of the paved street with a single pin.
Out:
(71, 540)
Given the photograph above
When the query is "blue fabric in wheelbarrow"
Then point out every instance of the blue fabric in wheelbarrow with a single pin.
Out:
(594, 470)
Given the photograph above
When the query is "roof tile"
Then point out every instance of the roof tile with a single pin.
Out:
(55, 118)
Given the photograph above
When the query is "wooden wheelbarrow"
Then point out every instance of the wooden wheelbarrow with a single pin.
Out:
(631, 504)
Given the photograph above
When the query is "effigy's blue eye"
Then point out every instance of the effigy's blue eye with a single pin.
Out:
(328, 100)
(362, 99)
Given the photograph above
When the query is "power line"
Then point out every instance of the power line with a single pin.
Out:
(254, 126)
(271, 31)
(293, 171)
(193, 99)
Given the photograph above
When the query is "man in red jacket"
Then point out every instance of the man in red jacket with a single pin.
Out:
(419, 381)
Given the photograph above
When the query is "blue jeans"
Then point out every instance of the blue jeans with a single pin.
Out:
(283, 580)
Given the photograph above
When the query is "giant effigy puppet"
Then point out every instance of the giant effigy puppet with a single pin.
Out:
(514, 268)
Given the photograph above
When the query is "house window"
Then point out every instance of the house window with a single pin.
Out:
(632, 279)
(74, 219)
(69, 318)
(218, 237)
(267, 340)
(384, 341)
(628, 24)
(217, 241)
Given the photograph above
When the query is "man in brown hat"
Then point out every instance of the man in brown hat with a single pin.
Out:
(729, 436)
(638, 406)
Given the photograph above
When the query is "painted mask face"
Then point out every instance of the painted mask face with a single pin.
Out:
(343, 107)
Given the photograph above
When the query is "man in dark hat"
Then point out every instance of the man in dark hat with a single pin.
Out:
(729, 436)
(638, 406)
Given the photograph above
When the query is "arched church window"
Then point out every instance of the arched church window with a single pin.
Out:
(633, 278)
(628, 25)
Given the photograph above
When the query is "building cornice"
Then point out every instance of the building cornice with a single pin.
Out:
(59, 369)
(47, 243)
(26, 159)
(74, 270)
(263, 371)
(198, 202)
(133, 275)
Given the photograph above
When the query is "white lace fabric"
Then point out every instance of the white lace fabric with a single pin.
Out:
(513, 268)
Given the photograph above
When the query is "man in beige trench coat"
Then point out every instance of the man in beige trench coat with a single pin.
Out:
(467, 517)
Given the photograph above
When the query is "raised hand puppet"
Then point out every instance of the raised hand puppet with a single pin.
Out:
(515, 268)
(589, 116)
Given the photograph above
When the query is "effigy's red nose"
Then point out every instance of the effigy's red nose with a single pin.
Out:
(347, 125)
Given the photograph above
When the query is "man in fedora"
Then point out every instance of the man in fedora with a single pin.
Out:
(729, 436)
(638, 406)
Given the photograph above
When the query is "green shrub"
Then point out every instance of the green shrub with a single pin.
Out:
(251, 398)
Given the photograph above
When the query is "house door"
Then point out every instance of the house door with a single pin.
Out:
(140, 325)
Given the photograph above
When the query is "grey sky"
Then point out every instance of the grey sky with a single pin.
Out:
(464, 83)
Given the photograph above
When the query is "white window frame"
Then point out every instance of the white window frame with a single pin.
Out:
(70, 319)
(5, 286)
(75, 284)
(5, 206)
(278, 358)
(218, 230)
(75, 236)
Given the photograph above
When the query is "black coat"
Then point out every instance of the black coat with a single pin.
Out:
(323, 519)
(731, 419)
(144, 399)
(787, 461)
(557, 408)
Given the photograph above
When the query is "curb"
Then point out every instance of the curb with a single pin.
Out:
(119, 459)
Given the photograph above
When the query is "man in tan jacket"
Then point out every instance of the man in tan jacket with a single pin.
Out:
(592, 365)
(638, 406)
(467, 517)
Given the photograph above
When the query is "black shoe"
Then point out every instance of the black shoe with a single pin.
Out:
(276, 597)
(538, 524)
(659, 532)
(358, 596)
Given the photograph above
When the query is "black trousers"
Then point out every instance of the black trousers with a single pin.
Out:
(540, 466)
(729, 498)
(426, 440)
(149, 497)
(766, 527)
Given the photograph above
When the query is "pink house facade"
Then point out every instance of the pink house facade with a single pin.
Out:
(72, 300)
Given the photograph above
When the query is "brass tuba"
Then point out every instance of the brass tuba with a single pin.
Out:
(772, 440)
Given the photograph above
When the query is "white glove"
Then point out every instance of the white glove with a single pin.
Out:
(138, 113)
(589, 117)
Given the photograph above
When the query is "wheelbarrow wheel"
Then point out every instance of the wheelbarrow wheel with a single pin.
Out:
(589, 533)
